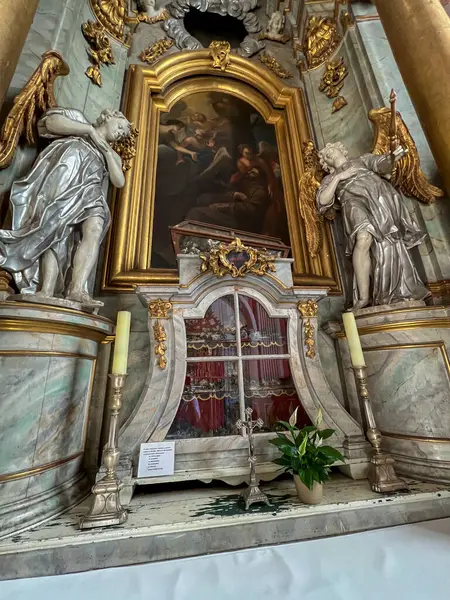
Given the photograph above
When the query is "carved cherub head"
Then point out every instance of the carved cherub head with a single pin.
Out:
(333, 156)
(113, 125)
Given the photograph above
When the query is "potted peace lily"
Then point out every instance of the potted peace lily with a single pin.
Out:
(305, 456)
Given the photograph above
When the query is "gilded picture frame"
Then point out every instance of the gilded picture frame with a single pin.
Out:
(149, 92)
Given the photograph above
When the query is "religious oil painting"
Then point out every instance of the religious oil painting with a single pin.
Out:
(217, 163)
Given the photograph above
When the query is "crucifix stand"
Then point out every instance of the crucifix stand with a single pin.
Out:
(252, 495)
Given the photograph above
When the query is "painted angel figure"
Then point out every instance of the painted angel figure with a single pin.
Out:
(60, 212)
(378, 227)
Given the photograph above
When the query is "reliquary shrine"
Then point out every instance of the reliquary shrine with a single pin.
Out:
(224, 261)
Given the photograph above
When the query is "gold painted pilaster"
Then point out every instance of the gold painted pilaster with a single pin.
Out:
(418, 32)
(15, 22)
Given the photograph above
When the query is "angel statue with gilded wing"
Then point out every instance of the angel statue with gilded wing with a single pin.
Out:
(379, 229)
(59, 209)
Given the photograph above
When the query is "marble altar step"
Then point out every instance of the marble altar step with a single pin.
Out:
(203, 520)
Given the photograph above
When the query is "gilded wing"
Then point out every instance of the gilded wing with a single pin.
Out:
(35, 98)
(308, 186)
(407, 175)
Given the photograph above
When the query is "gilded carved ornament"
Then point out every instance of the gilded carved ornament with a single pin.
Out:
(220, 54)
(321, 40)
(333, 78)
(152, 53)
(339, 103)
(112, 14)
(308, 310)
(333, 81)
(100, 51)
(271, 63)
(30, 104)
(159, 309)
(126, 148)
(237, 260)
(160, 338)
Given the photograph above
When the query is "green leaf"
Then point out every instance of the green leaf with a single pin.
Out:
(282, 440)
(307, 479)
(325, 433)
(332, 453)
(286, 425)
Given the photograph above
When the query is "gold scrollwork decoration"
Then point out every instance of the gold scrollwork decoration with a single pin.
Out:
(30, 104)
(407, 174)
(310, 342)
(126, 148)
(309, 308)
(100, 51)
(152, 53)
(159, 309)
(347, 20)
(220, 54)
(220, 260)
(112, 14)
(160, 337)
(333, 78)
(271, 63)
(321, 40)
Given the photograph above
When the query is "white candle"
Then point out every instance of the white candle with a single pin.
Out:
(120, 359)
(354, 343)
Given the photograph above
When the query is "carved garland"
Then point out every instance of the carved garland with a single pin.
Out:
(159, 309)
(307, 310)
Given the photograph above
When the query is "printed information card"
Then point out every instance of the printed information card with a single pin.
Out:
(156, 459)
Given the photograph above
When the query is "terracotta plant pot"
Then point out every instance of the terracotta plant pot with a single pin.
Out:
(306, 495)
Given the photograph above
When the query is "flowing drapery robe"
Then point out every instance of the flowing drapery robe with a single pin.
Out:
(370, 203)
(64, 188)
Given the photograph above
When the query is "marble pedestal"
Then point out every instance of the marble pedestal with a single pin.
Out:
(47, 365)
(406, 351)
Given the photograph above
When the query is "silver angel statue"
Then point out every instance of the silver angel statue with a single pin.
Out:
(379, 229)
(59, 210)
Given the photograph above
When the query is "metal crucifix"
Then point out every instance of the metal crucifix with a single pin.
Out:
(252, 494)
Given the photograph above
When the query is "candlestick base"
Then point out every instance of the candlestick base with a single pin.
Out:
(253, 495)
(106, 508)
(382, 476)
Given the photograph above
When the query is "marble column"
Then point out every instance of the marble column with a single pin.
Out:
(419, 34)
(15, 21)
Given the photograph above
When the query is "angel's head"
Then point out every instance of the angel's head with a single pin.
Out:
(333, 156)
(113, 125)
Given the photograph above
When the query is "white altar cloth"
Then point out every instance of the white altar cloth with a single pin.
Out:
(408, 562)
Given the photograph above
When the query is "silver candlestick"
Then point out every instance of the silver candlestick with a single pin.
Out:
(252, 495)
(106, 508)
(382, 475)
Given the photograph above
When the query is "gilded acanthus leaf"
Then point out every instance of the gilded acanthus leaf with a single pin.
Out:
(30, 104)
(407, 175)
(308, 186)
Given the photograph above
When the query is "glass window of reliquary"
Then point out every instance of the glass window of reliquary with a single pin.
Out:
(237, 357)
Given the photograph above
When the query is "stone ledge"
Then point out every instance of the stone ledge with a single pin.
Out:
(178, 524)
